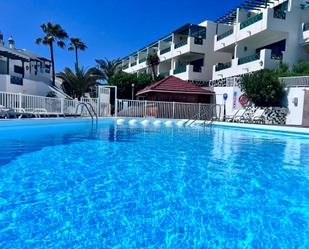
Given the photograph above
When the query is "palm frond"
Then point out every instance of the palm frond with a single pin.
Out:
(61, 44)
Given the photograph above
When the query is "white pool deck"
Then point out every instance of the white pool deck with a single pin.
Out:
(271, 128)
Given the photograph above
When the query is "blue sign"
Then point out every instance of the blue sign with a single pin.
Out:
(225, 96)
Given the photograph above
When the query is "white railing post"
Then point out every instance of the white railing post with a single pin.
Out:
(19, 101)
(199, 111)
(98, 107)
(145, 110)
(116, 107)
(173, 110)
(62, 105)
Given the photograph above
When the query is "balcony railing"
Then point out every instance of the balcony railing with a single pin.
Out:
(16, 80)
(125, 66)
(306, 27)
(280, 10)
(249, 58)
(222, 66)
(225, 34)
(141, 60)
(133, 64)
(165, 50)
(251, 21)
(181, 43)
(165, 74)
(180, 69)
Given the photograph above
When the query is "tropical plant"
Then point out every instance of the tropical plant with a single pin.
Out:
(108, 68)
(124, 82)
(75, 45)
(263, 88)
(78, 83)
(153, 61)
(301, 67)
(53, 33)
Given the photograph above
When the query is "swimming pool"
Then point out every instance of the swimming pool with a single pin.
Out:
(69, 184)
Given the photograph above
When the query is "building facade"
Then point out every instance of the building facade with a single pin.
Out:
(22, 71)
(187, 53)
(259, 36)
(256, 35)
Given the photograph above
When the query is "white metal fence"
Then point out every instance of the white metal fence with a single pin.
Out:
(175, 110)
(30, 103)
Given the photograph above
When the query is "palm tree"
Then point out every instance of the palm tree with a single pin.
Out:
(153, 61)
(52, 33)
(78, 83)
(75, 45)
(108, 68)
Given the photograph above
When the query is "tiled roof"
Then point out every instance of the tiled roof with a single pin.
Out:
(174, 84)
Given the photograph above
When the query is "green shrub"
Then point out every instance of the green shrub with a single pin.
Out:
(263, 88)
(124, 82)
(301, 68)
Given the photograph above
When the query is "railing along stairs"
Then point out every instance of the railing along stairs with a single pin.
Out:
(89, 109)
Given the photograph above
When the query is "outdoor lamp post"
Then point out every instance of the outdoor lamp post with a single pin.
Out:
(132, 91)
(225, 96)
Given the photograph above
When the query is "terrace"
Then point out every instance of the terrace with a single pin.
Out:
(254, 17)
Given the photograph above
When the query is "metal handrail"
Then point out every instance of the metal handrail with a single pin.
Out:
(198, 116)
(83, 104)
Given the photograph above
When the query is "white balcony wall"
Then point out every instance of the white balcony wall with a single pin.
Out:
(265, 61)
(189, 74)
(305, 37)
(29, 86)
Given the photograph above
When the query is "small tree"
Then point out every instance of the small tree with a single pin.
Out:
(153, 61)
(124, 82)
(79, 82)
(108, 68)
(263, 88)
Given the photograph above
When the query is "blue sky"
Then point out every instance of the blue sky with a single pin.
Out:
(110, 29)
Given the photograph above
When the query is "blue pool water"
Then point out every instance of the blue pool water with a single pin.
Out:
(71, 185)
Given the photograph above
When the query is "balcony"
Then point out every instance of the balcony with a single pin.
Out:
(189, 45)
(164, 74)
(189, 72)
(251, 21)
(133, 64)
(180, 69)
(181, 43)
(305, 35)
(262, 26)
(165, 50)
(222, 66)
(225, 34)
(141, 60)
(249, 58)
(252, 63)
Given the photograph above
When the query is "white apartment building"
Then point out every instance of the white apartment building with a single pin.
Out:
(24, 72)
(259, 34)
(254, 36)
(187, 53)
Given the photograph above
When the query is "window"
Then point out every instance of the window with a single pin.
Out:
(18, 69)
